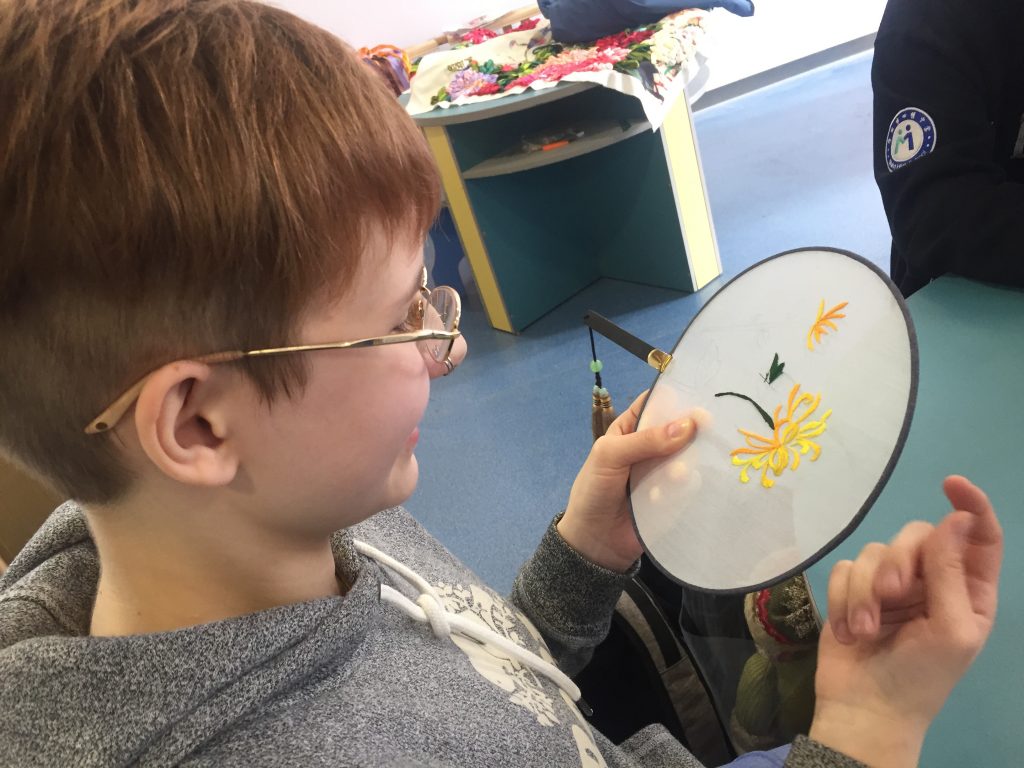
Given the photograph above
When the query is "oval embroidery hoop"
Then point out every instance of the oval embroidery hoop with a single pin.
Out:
(806, 366)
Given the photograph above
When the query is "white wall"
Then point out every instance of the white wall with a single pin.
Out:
(397, 22)
(781, 31)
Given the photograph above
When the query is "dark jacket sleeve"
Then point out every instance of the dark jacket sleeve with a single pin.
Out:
(953, 209)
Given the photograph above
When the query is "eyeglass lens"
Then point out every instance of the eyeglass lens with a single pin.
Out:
(439, 314)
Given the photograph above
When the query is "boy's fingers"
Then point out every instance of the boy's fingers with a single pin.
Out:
(911, 605)
(966, 496)
(622, 451)
(838, 589)
(946, 592)
(984, 555)
(902, 560)
(862, 602)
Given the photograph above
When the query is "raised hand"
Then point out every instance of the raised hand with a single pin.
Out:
(905, 622)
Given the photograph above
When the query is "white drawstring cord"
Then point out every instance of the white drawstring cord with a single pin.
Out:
(429, 609)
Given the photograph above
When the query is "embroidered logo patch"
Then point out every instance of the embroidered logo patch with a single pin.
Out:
(912, 135)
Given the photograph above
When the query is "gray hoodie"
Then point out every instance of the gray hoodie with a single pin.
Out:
(374, 678)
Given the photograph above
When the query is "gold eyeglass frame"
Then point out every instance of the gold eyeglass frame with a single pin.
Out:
(113, 413)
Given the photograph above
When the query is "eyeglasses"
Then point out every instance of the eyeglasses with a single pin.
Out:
(432, 322)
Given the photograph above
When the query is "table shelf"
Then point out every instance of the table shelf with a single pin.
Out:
(598, 135)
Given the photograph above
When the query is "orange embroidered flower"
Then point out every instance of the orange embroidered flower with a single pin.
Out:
(823, 323)
(790, 440)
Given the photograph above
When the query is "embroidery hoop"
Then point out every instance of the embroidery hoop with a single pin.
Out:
(697, 521)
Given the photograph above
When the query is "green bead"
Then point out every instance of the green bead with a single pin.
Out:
(596, 366)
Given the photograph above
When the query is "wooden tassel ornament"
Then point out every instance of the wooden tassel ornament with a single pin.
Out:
(602, 414)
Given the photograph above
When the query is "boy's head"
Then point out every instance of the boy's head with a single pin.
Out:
(179, 178)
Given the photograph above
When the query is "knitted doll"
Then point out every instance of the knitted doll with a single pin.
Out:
(775, 695)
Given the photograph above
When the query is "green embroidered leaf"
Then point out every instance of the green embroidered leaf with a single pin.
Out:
(774, 371)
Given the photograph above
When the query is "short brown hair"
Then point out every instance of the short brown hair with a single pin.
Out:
(176, 177)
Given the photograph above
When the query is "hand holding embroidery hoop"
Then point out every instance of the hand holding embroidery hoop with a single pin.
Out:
(807, 365)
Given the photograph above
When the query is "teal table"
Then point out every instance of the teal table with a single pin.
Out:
(970, 421)
(537, 227)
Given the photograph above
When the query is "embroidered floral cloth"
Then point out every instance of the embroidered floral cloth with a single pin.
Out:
(653, 63)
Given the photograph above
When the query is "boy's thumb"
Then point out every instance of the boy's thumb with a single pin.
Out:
(623, 451)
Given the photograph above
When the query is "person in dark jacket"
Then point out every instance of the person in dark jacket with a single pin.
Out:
(948, 82)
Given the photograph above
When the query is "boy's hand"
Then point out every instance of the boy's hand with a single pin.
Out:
(905, 622)
(597, 521)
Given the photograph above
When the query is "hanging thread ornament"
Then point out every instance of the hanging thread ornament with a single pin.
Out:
(602, 413)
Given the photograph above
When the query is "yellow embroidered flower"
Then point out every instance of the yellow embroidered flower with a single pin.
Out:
(790, 440)
(823, 323)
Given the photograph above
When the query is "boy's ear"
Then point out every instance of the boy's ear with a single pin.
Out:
(183, 426)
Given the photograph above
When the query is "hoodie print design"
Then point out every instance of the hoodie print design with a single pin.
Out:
(509, 674)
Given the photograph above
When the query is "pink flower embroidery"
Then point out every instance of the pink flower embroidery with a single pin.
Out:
(478, 35)
(623, 39)
(467, 82)
(485, 89)
(526, 24)
(572, 60)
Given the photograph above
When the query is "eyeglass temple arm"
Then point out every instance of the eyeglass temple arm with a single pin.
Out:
(654, 357)
(119, 407)
(377, 341)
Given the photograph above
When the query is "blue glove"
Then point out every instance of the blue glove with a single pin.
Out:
(581, 21)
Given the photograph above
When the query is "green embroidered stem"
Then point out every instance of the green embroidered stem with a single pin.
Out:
(762, 411)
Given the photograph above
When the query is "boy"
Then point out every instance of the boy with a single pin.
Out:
(183, 179)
